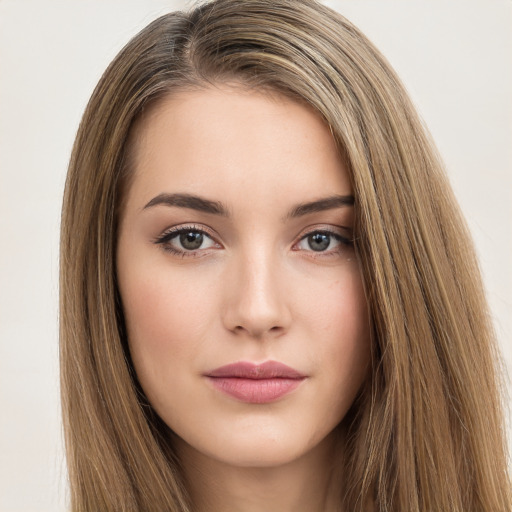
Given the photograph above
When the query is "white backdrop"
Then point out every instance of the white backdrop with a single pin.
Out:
(453, 56)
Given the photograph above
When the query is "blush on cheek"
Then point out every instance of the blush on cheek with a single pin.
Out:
(165, 315)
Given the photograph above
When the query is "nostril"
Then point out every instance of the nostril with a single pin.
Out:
(258, 332)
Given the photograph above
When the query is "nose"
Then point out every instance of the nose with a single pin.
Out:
(257, 300)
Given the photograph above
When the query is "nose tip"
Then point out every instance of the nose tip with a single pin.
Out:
(257, 305)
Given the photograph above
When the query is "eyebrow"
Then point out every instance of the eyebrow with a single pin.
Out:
(202, 204)
(189, 201)
(320, 205)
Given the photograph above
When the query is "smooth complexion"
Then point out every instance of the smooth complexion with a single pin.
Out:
(235, 248)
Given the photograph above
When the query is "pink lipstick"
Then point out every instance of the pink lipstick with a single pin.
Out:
(255, 383)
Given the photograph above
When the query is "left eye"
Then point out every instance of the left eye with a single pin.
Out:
(319, 241)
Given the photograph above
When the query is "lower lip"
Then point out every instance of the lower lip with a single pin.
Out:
(255, 391)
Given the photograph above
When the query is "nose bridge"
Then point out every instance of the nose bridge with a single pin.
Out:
(257, 302)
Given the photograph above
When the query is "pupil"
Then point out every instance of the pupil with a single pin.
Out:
(191, 240)
(319, 241)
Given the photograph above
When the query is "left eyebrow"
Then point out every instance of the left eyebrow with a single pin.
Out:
(320, 205)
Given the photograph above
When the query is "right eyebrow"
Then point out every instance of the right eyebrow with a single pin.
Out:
(189, 201)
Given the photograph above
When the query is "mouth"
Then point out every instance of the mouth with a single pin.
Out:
(256, 383)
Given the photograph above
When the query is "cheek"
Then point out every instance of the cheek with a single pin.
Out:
(339, 305)
(340, 323)
(167, 320)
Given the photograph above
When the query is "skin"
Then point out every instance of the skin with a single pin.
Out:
(255, 290)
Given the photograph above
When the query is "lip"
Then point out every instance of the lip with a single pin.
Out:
(255, 383)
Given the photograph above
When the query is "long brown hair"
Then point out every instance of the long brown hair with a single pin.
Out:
(426, 432)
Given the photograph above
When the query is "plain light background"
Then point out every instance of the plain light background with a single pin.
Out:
(453, 56)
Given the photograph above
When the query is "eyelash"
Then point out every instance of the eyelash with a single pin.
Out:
(165, 238)
(344, 243)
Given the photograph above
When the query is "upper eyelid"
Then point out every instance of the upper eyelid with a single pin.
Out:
(330, 229)
(337, 236)
(186, 227)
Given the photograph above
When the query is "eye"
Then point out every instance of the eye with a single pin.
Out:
(186, 240)
(322, 241)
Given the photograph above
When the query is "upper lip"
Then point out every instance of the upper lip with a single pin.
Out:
(248, 370)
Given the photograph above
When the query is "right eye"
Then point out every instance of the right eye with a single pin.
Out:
(186, 241)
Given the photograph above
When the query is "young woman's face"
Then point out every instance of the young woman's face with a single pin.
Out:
(246, 318)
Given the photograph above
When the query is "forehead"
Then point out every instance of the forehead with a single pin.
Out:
(235, 143)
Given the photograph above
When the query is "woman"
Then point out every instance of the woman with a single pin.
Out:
(269, 300)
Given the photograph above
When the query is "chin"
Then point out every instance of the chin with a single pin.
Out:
(262, 453)
(262, 446)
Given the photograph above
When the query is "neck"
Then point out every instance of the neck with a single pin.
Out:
(310, 483)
